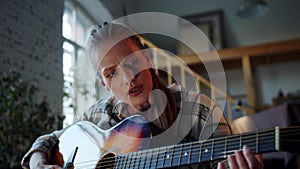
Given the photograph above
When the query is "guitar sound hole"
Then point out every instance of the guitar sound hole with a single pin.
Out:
(107, 161)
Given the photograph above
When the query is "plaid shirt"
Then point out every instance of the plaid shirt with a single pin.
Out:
(206, 117)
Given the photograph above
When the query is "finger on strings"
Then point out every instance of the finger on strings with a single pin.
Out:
(232, 162)
(240, 158)
(221, 165)
(250, 158)
(260, 160)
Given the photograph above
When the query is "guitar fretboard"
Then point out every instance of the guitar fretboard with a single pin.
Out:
(200, 151)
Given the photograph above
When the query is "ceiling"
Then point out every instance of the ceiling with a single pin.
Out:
(277, 25)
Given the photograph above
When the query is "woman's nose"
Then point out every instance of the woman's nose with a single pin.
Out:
(128, 75)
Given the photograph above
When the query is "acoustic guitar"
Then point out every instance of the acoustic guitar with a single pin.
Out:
(84, 145)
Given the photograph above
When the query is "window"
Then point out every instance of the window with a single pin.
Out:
(78, 88)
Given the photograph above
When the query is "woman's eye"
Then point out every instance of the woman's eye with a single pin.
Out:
(133, 62)
(111, 74)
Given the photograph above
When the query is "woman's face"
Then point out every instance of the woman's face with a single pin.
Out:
(125, 72)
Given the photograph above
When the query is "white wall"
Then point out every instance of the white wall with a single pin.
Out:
(31, 43)
(269, 79)
(272, 78)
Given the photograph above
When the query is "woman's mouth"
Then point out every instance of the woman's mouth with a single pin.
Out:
(136, 90)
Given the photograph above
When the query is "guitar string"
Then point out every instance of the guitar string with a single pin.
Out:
(206, 143)
(157, 160)
(139, 158)
(147, 163)
(133, 162)
(174, 154)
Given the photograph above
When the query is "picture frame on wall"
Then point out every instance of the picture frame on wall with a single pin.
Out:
(210, 23)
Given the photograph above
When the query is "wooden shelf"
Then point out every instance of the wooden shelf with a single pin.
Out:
(269, 49)
(246, 58)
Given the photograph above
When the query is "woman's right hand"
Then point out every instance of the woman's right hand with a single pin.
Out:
(38, 161)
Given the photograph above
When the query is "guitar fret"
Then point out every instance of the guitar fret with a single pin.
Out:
(118, 161)
(225, 149)
(136, 160)
(131, 161)
(122, 162)
(206, 151)
(180, 154)
(148, 158)
(161, 157)
(256, 147)
(241, 142)
(194, 155)
(200, 155)
(169, 156)
(177, 151)
(286, 138)
(154, 158)
(249, 139)
(265, 145)
(143, 158)
(233, 144)
(127, 161)
(212, 149)
(190, 154)
(174, 154)
(219, 144)
(185, 156)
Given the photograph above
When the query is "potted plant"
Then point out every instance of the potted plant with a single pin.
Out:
(22, 118)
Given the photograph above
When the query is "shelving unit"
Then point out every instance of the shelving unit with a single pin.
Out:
(244, 58)
(248, 57)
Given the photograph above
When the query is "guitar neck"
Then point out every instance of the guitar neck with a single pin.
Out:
(213, 149)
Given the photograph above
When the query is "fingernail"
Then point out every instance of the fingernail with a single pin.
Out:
(246, 149)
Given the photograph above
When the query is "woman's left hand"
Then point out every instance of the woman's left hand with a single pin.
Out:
(243, 159)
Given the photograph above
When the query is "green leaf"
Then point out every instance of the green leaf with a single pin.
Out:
(22, 117)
